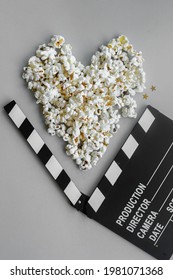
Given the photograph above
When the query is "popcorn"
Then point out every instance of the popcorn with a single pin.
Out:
(84, 105)
(57, 41)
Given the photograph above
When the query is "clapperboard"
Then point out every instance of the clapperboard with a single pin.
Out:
(135, 196)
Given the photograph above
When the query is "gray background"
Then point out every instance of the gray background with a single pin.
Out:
(36, 221)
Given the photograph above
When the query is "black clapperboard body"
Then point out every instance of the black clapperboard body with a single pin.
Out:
(135, 196)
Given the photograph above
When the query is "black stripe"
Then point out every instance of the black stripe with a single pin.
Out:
(44, 154)
(121, 159)
(138, 133)
(104, 186)
(90, 211)
(63, 180)
(9, 106)
(26, 128)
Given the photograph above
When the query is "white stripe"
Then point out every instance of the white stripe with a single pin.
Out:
(72, 192)
(113, 172)
(17, 115)
(130, 146)
(35, 141)
(96, 199)
(146, 120)
(54, 167)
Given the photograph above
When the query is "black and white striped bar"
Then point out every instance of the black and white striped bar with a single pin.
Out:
(44, 154)
(58, 173)
(121, 160)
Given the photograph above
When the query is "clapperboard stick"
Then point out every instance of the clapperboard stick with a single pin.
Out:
(89, 205)
(45, 155)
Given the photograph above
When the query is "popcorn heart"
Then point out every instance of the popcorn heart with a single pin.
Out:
(83, 105)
